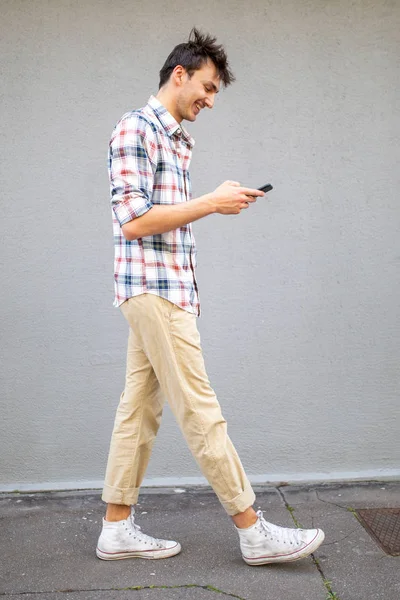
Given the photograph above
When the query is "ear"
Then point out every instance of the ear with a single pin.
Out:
(178, 75)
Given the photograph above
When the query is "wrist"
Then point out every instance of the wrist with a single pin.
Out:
(210, 203)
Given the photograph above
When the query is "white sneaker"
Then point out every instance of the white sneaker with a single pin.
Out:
(264, 543)
(124, 539)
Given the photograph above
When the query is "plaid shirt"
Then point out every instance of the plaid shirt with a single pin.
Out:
(149, 157)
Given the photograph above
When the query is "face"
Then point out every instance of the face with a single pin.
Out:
(196, 92)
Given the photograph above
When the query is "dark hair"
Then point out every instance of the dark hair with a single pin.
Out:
(194, 53)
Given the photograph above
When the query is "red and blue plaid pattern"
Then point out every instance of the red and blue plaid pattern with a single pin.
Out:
(149, 157)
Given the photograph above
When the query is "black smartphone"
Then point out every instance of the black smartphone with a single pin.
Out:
(266, 188)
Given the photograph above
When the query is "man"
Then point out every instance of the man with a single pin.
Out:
(156, 289)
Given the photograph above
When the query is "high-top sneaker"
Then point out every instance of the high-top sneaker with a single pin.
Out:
(264, 542)
(124, 539)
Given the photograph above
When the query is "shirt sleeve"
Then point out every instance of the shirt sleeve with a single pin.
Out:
(132, 164)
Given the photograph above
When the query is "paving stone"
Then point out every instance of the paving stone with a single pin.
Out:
(48, 543)
(146, 594)
(349, 557)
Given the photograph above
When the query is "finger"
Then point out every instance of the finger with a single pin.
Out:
(249, 199)
(245, 205)
(252, 192)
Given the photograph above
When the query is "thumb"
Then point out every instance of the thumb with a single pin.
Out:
(235, 183)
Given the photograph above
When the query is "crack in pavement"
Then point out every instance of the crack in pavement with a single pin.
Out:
(208, 588)
(341, 539)
(327, 584)
(329, 502)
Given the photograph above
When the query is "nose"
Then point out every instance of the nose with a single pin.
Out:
(209, 101)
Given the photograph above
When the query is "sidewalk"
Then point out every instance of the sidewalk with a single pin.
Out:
(48, 542)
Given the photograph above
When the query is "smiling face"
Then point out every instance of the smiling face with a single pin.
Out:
(196, 92)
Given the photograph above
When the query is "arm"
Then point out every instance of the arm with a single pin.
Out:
(132, 167)
(161, 219)
(228, 199)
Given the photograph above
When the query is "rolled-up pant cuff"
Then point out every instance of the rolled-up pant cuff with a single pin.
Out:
(241, 502)
(126, 496)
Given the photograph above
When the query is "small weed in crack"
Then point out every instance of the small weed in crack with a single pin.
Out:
(135, 588)
(331, 595)
(353, 512)
(209, 588)
(327, 584)
(295, 521)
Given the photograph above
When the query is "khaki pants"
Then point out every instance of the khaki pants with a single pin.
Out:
(165, 360)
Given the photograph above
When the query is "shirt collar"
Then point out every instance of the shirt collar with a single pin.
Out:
(168, 122)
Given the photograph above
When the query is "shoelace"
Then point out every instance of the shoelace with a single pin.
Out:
(143, 536)
(275, 532)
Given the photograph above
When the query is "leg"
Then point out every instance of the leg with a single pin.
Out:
(136, 424)
(245, 519)
(171, 340)
(172, 343)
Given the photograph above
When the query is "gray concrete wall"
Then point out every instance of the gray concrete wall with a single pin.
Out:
(300, 294)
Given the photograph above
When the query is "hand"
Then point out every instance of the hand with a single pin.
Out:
(230, 198)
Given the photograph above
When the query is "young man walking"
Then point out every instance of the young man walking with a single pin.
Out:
(156, 289)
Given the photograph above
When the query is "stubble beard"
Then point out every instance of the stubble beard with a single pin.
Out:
(185, 110)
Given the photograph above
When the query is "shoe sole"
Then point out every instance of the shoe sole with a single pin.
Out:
(148, 554)
(298, 555)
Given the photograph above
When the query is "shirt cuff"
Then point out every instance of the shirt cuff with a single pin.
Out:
(130, 208)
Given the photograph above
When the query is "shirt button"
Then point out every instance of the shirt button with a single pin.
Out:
(178, 132)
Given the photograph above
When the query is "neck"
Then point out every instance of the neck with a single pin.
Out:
(169, 102)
